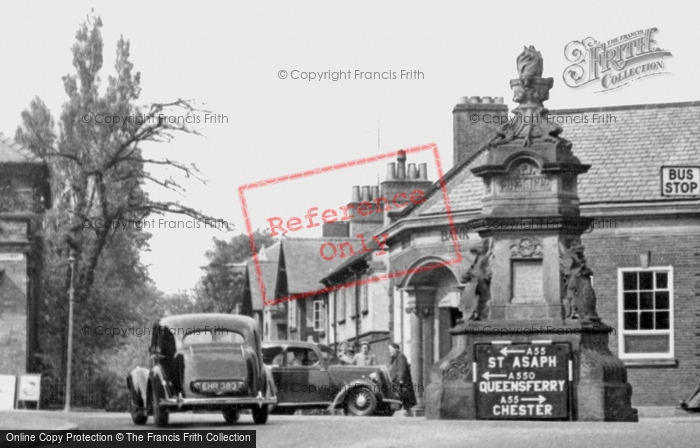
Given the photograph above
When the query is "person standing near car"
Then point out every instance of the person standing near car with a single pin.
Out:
(344, 355)
(364, 359)
(400, 373)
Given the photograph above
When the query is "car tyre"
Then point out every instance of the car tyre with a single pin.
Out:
(160, 415)
(138, 416)
(360, 402)
(231, 415)
(260, 414)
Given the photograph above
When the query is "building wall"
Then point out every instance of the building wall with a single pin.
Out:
(608, 250)
(13, 313)
(373, 321)
(21, 202)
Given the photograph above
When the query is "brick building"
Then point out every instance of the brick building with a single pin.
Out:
(24, 194)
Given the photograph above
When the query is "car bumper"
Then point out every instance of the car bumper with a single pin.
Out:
(191, 403)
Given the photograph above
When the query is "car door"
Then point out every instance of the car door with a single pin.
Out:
(304, 378)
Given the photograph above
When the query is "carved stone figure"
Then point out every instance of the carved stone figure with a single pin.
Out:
(479, 277)
(530, 63)
(579, 300)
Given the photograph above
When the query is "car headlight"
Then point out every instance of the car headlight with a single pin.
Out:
(374, 376)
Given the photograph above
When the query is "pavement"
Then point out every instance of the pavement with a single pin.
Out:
(59, 421)
(49, 421)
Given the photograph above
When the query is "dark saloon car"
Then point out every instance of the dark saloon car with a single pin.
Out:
(309, 375)
(202, 362)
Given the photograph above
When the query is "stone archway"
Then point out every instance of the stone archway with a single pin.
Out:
(432, 294)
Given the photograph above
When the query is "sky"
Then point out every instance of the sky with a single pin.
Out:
(228, 58)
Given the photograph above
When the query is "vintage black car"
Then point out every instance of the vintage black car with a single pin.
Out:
(309, 375)
(202, 362)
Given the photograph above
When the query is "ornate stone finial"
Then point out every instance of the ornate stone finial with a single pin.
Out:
(530, 63)
(530, 90)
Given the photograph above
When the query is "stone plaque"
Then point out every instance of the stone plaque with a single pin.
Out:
(523, 381)
(525, 177)
(527, 281)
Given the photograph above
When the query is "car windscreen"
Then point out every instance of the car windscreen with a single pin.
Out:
(207, 335)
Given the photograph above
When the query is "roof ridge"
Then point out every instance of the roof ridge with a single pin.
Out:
(19, 150)
(682, 104)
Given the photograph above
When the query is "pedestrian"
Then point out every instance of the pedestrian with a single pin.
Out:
(400, 373)
(344, 355)
(363, 358)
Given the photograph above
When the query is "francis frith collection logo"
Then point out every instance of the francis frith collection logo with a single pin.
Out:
(614, 63)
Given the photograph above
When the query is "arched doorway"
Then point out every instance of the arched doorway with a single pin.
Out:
(431, 297)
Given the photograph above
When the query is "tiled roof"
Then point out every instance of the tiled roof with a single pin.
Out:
(13, 152)
(304, 264)
(626, 155)
(269, 274)
(269, 260)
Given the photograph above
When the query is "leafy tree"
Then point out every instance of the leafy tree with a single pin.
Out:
(98, 173)
(221, 286)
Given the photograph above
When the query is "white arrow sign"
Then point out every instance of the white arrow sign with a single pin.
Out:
(539, 399)
(489, 375)
(505, 351)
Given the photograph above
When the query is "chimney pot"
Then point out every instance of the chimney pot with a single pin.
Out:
(412, 173)
(401, 165)
(475, 99)
(498, 100)
(375, 192)
(365, 193)
(486, 100)
(464, 100)
(423, 171)
(390, 171)
(356, 193)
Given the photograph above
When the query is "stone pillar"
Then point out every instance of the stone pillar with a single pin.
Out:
(428, 321)
(420, 302)
(417, 357)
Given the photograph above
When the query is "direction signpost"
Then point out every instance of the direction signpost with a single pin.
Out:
(530, 381)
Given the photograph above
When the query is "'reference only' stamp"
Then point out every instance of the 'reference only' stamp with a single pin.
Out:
(367, 241)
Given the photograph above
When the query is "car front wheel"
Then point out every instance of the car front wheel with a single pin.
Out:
(260, 414)
(160, 415)
(138, 416)
(360, 402)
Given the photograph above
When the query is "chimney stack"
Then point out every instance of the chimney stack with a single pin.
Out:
(475, 121)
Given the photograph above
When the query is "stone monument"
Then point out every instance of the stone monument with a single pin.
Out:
(532, 345)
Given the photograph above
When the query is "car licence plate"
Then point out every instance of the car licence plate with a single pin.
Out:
(218, 386)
